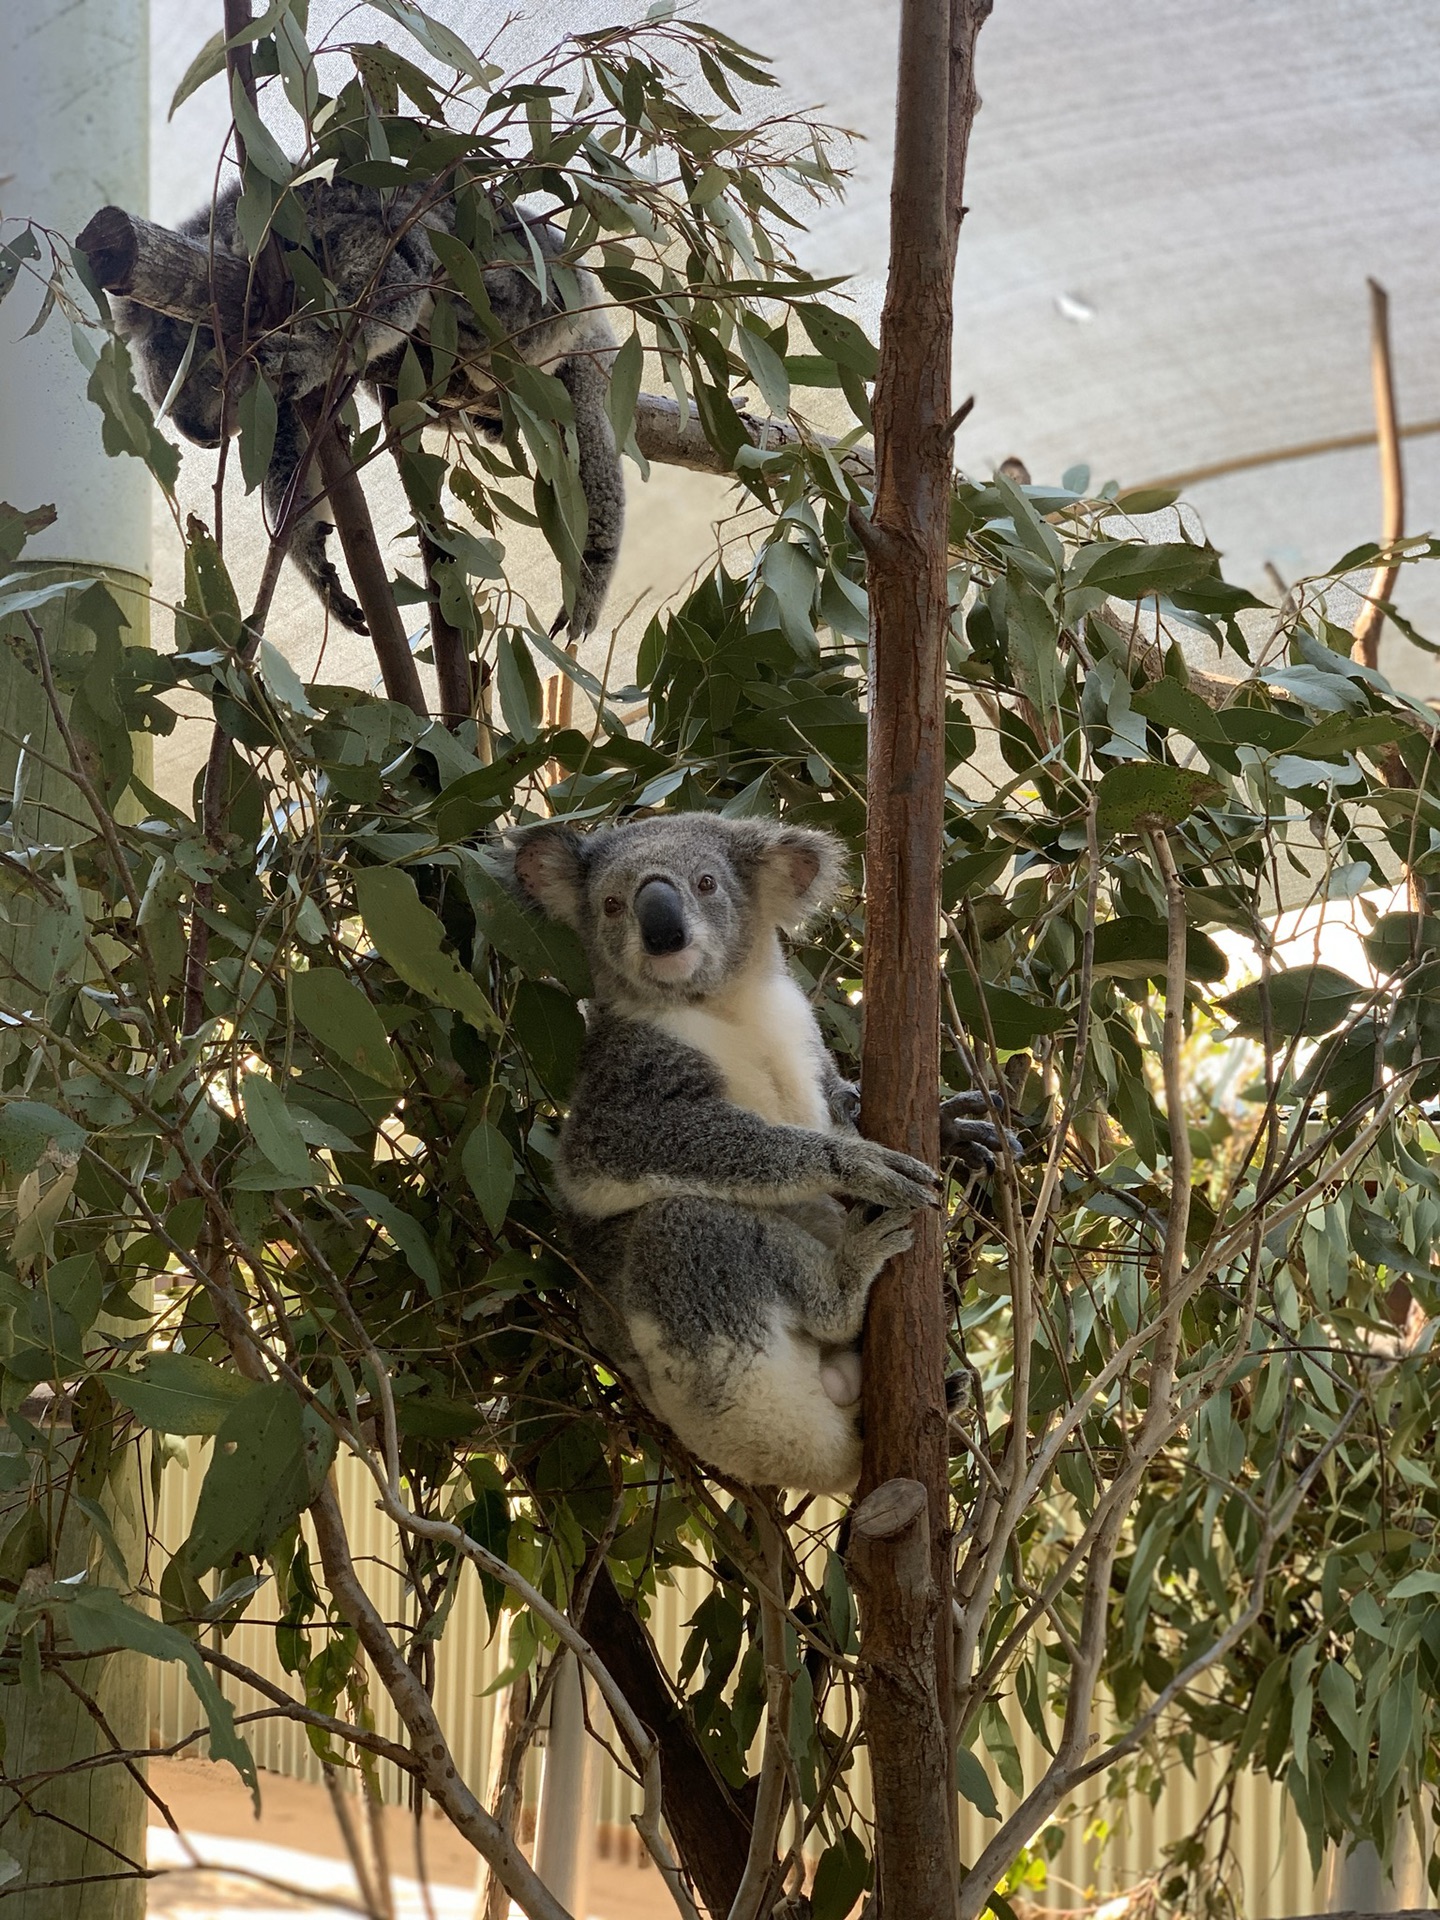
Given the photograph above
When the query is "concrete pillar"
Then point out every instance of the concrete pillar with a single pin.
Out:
(74, 133)
(1357, 1881)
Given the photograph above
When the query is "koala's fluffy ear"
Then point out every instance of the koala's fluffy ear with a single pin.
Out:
(550, 868)
(801, 869)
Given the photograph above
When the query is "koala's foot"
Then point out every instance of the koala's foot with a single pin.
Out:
(840, 1377)
(844, 1102)
(311, 554)
(974, 1142)
(868, 1171)
(868, 1244)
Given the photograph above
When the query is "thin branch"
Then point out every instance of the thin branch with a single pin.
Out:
(1366, 647)
(432, 1755)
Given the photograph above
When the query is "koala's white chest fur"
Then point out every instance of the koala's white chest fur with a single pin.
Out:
(762, 1034)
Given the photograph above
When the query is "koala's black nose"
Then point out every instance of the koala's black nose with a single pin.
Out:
(661, 913)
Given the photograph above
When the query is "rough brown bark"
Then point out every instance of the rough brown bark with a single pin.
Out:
(905, 1576)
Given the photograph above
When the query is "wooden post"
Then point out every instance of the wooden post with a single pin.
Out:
(905, 1612)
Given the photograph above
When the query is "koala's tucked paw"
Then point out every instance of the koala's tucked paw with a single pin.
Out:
(868, 1171)
(844, 1103)
(974, 1142)
(868, 1244)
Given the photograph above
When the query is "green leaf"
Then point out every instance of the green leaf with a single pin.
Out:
(1013, 1020)
(128, 426)
(1304, 1002)
(540, 947)
(519, 686)
(409, 936)
(1422, 1581)
(767, 369)
(1171, 705)
(973, 1784)
(261, 147)
(841, 1877)
(282, 680)
(1131, 947)
(490, 1168)
(405, 1230)
(276, 1132)
(1140, 795)
(257, 417)
(1146, 499)
(838, 337)
(268, 1459)
(207, 63)
(97, 1617)
(336, 1011)
(623, 390)
(178, 1393)
(1033, 636)
(29, 1130)
(1399, 940)
(1129, 571)
(548, 1025)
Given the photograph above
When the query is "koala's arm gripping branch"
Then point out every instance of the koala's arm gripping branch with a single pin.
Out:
(706, 1149)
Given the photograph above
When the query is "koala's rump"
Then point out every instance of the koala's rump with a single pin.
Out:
(699, 1302)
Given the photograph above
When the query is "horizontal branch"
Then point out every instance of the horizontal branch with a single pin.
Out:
(663, 436)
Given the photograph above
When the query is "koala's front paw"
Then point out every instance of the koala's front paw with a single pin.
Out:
(868, 1171)
(844, 1102)
(975, 1143)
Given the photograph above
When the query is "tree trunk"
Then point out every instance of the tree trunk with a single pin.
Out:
(902, 1553)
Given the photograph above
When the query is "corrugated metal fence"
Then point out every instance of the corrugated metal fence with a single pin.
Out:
(1267, 1840)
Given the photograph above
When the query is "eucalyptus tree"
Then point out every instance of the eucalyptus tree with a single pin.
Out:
(295, 1056)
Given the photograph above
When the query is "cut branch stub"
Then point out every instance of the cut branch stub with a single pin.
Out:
(164, 271)
(887, 1511)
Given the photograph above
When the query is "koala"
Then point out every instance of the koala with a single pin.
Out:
(710, 1142)
(375, 250)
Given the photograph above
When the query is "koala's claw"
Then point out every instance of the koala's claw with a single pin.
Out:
(870, 1243)
(975, 1143)
(886, 1178)
(844, 1103)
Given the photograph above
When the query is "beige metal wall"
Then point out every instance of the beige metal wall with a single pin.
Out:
(1267, 1841)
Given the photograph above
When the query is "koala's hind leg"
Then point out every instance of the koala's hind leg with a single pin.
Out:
(309, 533)
(718, 1302)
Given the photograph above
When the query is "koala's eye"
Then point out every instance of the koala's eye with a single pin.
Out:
(613, 906)
(705, 884)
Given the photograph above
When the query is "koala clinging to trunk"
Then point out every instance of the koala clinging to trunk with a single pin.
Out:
(710, 1138)
(375, 250)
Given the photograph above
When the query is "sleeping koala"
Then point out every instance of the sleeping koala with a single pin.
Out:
(376, 250)
(709, 1137)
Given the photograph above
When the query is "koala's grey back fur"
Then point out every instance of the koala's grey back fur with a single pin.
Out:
(708, 1140)
(375, 250)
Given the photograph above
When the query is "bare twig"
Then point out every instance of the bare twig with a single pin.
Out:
(1366, 648)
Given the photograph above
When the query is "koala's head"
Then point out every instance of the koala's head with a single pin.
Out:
(671, 909)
